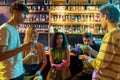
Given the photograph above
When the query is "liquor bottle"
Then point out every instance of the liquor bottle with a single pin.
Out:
(40, 17)
(52, 18)
(53, 74)
(46, 17)
(43, 17)
(37, 18)
(43, 8)
(38, 7)
(33, 49)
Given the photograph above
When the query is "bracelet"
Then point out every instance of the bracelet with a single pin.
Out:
(38, 72)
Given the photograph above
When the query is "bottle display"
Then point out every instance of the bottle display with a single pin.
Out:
(70, 19)
(38, 17)
(42, 28)
(75, 19)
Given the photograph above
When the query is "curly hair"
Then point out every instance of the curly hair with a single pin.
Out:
(111, 11)
(54, 38)
(18, 7)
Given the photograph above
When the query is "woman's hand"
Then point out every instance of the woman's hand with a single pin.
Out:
(38, 73)
(57, 66)
(64, 63)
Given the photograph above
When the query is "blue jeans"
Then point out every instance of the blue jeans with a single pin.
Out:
(31, 69)
(21, 77)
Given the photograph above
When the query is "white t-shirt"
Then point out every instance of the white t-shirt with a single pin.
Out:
(12, 67)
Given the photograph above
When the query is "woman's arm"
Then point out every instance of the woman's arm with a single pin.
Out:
(67, 58)
(26, 56)
(41, 52)
(55, 66)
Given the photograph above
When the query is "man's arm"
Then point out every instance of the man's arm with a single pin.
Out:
(11, 53)
(91, 51)
(77, 50)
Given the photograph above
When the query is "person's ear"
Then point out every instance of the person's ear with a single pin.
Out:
(105, 16)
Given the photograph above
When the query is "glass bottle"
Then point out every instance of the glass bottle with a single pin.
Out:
(53, 74)
(33, 48)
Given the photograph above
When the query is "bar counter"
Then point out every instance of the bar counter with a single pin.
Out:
(71, 53)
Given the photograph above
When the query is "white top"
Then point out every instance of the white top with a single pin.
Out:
(33, 56)
(12, 67)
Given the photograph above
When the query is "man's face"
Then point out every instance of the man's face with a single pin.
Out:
(87, 41)
(103, 21)
(20, 16)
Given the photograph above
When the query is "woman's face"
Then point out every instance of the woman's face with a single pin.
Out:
(59, 40)
(34, 35)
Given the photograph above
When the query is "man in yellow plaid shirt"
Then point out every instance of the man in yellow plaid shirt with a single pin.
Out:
(107, 62)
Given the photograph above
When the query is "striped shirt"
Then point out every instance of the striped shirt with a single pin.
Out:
(107, 63)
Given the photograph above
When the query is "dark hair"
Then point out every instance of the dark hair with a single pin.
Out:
(54, 37)
(111, 11)
(87, 35)
(18, 7)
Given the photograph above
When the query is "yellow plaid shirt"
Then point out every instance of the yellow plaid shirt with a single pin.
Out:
(107, 63)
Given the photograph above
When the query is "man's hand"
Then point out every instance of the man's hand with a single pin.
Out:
(27, 46)
(83, 57)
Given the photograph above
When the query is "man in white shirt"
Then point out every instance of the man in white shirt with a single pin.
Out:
(11, 65)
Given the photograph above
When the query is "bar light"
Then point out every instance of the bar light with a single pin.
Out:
(67, 2)
(26, 1)
(6, 2)
(110, 1)
(46, 2)
(89, 1)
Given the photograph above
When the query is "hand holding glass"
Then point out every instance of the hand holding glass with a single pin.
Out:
(83, 47)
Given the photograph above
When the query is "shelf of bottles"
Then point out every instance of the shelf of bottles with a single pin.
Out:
(41, 28)
(38, 16)
(75, 19)
(77, 29)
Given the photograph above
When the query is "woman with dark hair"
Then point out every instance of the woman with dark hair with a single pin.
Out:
(59, 57)
(54, 38)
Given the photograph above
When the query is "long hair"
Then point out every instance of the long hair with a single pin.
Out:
(54, 38)
(28, 34)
